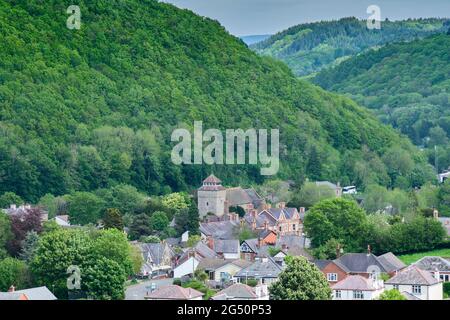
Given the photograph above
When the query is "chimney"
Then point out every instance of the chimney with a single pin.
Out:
(260, 242)
(254, 224)
(211, 243)
(281, 205)
(284, 246)
(12, 289)
(253, 213)
(13, 207)
(266, 225)
(369, 251)
(301, 210)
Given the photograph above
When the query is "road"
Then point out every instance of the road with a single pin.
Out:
(138, 291)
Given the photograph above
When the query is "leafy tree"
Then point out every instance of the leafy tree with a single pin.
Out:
(151, 239)
(159, 221)
(310, 194)
(275, 191)
(193, 240)
(329, 249)
(300, 280)
(5, 233)
(176, 201)
(31, 220)
(9, 198)
(141, 226)
(188, 220)
(13, 272)
(85, 207)
(392, 294)
(339, 219)
(245, 233)
(112, 218)
(103, 279)
(201, 275)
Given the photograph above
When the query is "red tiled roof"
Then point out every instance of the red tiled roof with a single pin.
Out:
(173, 292)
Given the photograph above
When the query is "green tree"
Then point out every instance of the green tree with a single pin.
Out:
(103, 279)
(141, 226)
(188, 220)
(112, 218)
(159, 221)
(29, 246)
(337, 218)
(392, 294)
(176, 201)
(5, 233)
(9, 198)
(300, 280)
(13, 272)
(85, 207)
(193, 240)
(310, 194)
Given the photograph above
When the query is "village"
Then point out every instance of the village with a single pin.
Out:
(244, 246)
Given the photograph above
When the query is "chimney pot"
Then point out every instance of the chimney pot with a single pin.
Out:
(12, 289)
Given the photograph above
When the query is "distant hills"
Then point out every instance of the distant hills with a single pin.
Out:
(249, 40)
(92, 108)
(406, 84)
(309, 48)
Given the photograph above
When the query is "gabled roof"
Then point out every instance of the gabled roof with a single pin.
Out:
(237, 196)
(39, 293)
(360, 262)
(173, 292)
(4, 296)
(261, 268)
(390, 262)
(214, 264)
(293, 241)
(321, 264)
(257, 200)
(413, 275)
(432, 264)
(252, 244)
(354, 282)
(200, 251)
(154, 252)
(226, 246)
(237, 291)
(220, 230)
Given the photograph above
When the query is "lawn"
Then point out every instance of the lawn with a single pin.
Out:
(413, 257)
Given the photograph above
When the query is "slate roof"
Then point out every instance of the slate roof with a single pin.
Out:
(321, 264)
(354, 282)
(390, 262)
(214, 264)
(173, 292)
(253, 244)
(237, 196)
(224, 230)
(413, 275)
(39, 293)
(261, 268)
(293, 241)
(226, 246)
(201, 251)
(236, 291)
(257, 200)
(298, 251)
(433, 264)
(360, 262)
(154, 252)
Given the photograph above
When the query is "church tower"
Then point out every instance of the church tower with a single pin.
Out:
(211, 197)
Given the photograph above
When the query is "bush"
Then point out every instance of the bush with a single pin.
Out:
(177, 281)
(251, 282)
(446, 290)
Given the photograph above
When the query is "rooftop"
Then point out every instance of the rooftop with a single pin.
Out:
(173, 292)
(413, 275)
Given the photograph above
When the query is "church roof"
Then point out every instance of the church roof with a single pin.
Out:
(212, 179)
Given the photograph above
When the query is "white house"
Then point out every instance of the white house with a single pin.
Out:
(356, 287)
(186, 267)
(416, 282)
(221, 270)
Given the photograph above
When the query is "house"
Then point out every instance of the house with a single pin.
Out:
(158, 259)
(443, 176)
(22, 210)
(62, 221)
(214, 199)
(290, 241)
(363, 264)
(437, 266)
(188, 262)
(282, 220)
(227, 249)
(240, 291)
(356, 287)
(224, 230)
(267, 237)
(335, 187)
(38, 293)
(417, 282)
(174, 292)
(265, 270)
(294, 252)
(250, 248)
(222, 271)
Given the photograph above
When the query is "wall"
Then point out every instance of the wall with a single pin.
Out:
(185, 268)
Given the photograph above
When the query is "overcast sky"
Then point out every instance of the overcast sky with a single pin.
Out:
(255, 17)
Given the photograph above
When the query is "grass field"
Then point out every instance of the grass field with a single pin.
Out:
(410, 258)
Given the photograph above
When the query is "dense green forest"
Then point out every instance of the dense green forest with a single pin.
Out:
(309, 48)
(89, 109)
(407, 85)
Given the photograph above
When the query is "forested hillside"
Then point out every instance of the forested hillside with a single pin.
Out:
(407, 85)
(87, 109)
(308, 48)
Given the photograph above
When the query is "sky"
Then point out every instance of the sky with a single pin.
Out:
(257, 17)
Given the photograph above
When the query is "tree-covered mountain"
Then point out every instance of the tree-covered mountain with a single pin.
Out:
(407, 85)
(309, 48)
(91, 108)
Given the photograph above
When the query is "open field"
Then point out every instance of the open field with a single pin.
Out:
(410, 258)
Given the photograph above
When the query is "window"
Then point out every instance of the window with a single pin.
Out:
(337, 294)
(396, 287)
(293, 226)
(332, 277)
(357, 294)
(416, 289)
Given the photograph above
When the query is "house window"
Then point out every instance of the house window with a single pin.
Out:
(207, 203)
(332, 277)
(293, 226)
(358, 294)
(337, 294)
(396, 287)
(416, 289)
